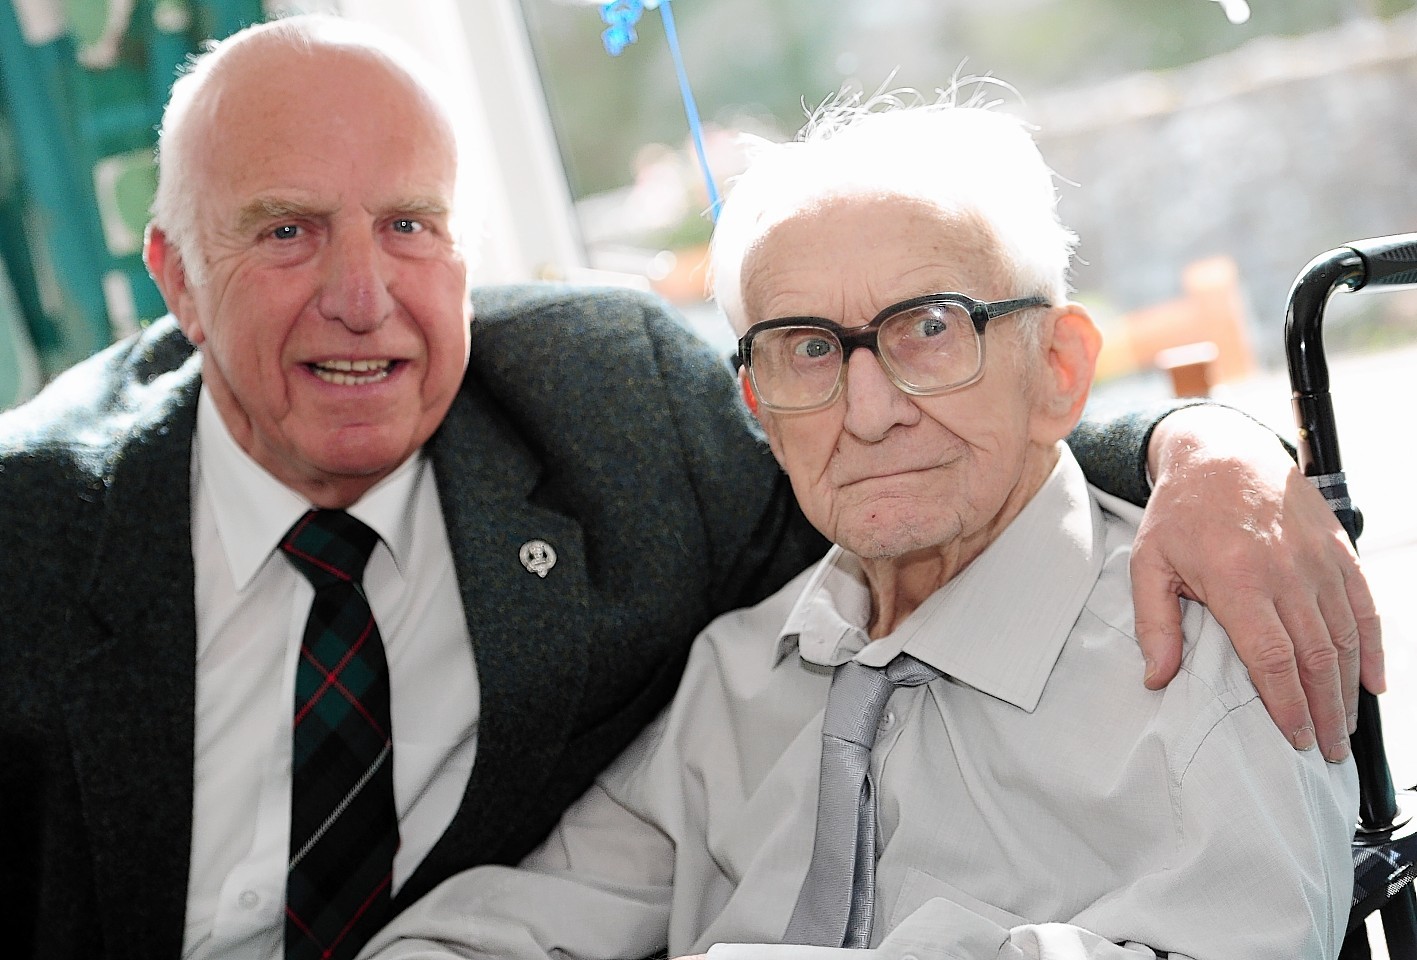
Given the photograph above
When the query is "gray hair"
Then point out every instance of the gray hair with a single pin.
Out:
(965, 159)
(175, 205)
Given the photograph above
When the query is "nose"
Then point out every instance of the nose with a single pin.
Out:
(355, 291)
(874, 404)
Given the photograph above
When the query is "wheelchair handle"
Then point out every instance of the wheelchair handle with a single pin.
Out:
(1381, 262)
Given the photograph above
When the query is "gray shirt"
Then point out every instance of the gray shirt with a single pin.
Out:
(1036, 802)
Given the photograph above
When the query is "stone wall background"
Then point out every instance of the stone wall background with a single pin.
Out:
(1271, 154)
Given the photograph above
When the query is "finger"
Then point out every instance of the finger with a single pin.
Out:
(1263, 644)
(1340, 624)
(1370, 633)
(1318, 658)
(1157, 615)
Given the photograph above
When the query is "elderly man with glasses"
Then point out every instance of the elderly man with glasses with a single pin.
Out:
(931, 744)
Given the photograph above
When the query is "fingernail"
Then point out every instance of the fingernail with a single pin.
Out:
(1303, 738)
(1352, 722)
(1150, 670)
(1337, 753)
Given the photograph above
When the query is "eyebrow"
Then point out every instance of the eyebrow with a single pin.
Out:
(263, 210)
(420, 206)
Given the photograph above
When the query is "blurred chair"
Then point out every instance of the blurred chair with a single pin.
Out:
(85, 82)
(1199, 339)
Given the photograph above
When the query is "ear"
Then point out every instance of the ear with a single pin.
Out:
(749, 396)
(165, 265)
(1070, 343)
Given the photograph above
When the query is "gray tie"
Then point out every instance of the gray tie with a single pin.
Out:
(838, 897)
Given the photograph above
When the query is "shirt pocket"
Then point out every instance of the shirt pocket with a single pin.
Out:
(918, 888)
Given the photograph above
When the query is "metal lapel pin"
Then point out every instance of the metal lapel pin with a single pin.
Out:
(538, 557)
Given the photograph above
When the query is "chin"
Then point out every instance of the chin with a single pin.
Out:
(363, 456)
(887, 540)
(885, 549)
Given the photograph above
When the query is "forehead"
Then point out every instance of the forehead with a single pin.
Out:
(357, 126)
(860, 252)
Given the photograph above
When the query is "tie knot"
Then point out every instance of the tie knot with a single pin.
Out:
(906, 671)
(329, 546)
(859, 694)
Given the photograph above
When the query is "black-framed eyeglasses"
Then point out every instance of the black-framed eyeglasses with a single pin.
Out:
(927, 345)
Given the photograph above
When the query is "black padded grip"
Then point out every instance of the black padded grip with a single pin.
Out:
(1389, 261)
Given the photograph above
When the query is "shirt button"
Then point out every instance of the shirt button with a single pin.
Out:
(887, 721)
(249, 899)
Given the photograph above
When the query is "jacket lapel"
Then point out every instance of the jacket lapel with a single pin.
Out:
(135, 777)
(529, 632)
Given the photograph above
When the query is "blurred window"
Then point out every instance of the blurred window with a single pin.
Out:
(1183, 136)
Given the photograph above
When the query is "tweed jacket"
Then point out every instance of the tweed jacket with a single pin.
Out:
(589, 420)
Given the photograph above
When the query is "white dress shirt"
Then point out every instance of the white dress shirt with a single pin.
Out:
(1037, 802)
(251, 606)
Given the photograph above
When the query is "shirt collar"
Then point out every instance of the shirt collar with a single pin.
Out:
(828, 622)
(998, 626)
(253, 510)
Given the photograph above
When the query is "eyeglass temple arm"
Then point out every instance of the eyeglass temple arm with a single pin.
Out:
(1002, 307)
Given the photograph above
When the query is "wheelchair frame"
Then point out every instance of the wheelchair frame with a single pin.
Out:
(1385, 841)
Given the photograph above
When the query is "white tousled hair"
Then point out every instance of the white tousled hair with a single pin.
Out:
(964, 158)
(175, 207)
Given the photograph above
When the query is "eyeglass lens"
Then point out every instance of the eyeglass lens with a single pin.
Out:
(927, 348)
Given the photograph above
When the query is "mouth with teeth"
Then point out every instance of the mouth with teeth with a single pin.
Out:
(352, 373)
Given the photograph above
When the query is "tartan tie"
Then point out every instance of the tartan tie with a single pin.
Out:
(343, 826)
(837, 902)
